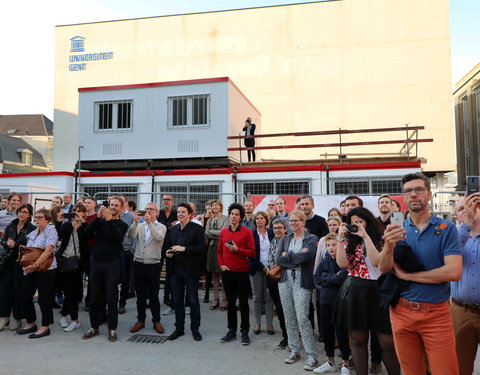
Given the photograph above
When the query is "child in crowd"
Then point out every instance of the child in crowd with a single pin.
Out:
(329, 277)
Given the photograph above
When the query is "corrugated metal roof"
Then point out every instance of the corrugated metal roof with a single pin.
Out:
(9, 147)
(18, 125)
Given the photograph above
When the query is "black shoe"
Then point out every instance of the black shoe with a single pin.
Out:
(40, 335)
(245, 340)
(231, 335)
(196, 336)
(122, 309)
(238, 307)
(24, 331)
(86, 308)
(130, 295)
(283, 344)
(175, 335)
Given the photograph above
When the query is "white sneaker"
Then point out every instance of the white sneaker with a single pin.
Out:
(344, 370)
(64, 322)
(310, 364)
(168, 311)
(72, 326)
(326, 368)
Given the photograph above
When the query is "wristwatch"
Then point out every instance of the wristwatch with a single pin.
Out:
(342, 239)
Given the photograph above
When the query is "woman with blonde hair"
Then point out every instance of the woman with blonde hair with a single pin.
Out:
(215, 224)
(296, 254)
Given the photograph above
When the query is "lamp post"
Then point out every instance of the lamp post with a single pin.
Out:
(79, 168)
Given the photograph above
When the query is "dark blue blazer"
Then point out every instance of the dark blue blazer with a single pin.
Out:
(254, 264)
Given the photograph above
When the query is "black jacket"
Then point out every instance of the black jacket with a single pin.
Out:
(108, 237)
(250, 142)
(390, 285)
(254, 264)
(192, 260)
(317, 225)
(19, 238)
(65, 235)
(329, 277)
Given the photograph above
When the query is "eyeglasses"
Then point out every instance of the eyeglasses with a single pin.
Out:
(167, 199)
(295, 221)
(271, 205)
(150, 209)
(39, 217)
(23, 212)
(417, 190)
(278, 228)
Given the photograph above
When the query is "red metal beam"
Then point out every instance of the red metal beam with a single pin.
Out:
(368, 143)
(328, 132)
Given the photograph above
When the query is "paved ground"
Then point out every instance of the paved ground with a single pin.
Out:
(67, 352)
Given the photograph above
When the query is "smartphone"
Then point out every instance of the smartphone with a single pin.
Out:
(106, 204)
(473, 184)
(69, 216)
(396, 218)
(352, 228)
(230, 242)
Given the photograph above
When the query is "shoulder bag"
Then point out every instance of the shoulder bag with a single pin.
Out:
(29, 255)
(70, 264)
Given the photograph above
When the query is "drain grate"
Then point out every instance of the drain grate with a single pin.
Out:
(148, 339)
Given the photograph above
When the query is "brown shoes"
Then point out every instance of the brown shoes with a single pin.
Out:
(137, 327)
(112, 335)
(159, 328)
(90, 333)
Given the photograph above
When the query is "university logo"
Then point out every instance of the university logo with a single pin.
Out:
(77, 44)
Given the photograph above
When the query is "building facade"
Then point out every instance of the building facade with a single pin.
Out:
(466, 97)
(307, 67)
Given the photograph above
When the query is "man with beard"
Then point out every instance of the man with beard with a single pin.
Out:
(421, 321)
(109, 232)
(385, 208)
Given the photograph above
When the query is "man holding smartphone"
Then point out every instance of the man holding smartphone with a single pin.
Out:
(235, 246)
(108, 231)
(421, 321)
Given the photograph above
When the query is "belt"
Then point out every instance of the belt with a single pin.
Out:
(416, 305)
(467, 306)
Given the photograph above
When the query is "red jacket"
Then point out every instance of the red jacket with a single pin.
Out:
(243, 238)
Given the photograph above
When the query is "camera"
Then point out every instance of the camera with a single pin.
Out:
(352, 228)
(69, 216)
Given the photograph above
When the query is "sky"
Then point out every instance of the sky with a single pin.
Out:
(28, 26)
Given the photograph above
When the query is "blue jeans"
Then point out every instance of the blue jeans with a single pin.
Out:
(183, 283)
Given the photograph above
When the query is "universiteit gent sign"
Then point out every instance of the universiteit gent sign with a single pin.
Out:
(78, 58)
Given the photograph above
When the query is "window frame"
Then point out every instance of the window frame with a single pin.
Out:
(189, 111)
(115, 116)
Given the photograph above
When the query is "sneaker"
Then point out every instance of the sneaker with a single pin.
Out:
(187, 310)
(231, 335)
(344, 370)
(168, 311)
(112, 335)
(245, 340)
(91, 333)
(376, 368)
(64, 322)
(327, 367)
(283, 344)
(292, 358)
(310, 364)
(72, 326)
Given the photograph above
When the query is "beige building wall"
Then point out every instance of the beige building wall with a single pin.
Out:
(319, 66)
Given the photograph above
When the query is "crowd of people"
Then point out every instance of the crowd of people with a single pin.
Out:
(357, 278)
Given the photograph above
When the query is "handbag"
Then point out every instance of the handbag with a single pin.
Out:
(5, 253)
(29, 255)
(70, 264)
(275, 272)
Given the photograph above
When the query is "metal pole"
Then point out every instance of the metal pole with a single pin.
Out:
(240, 147)
(79, 169)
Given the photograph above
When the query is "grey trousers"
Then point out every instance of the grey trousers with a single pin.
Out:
(261, 295)
(296, 304)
